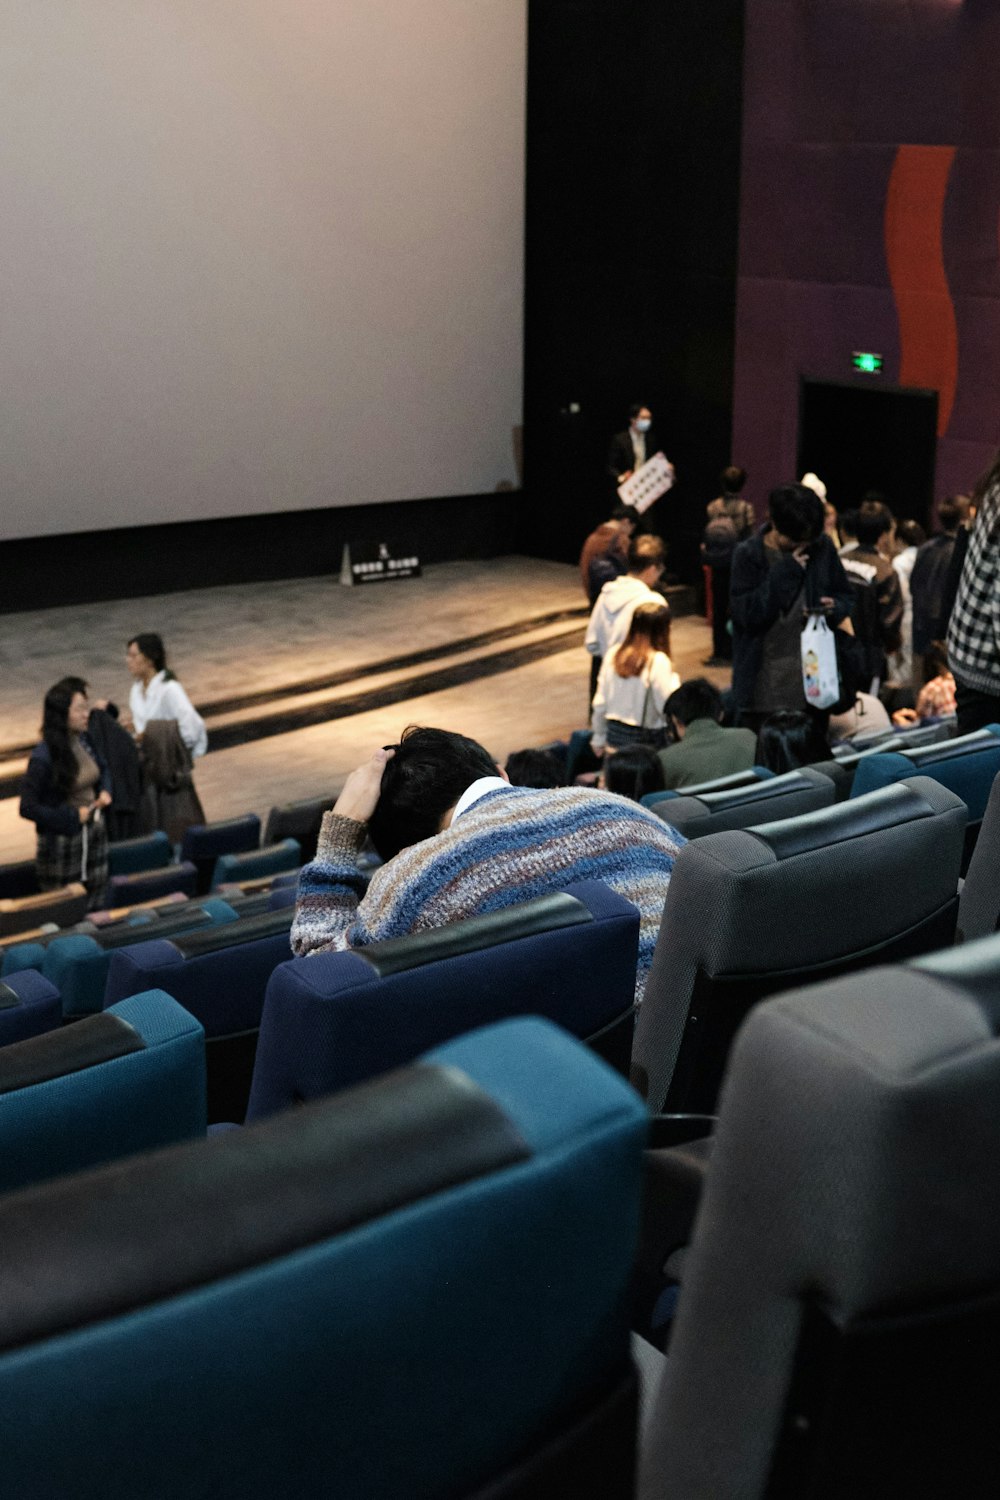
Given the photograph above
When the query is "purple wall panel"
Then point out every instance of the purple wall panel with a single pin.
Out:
(832, 90)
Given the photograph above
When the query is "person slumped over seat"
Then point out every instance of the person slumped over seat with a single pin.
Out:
(457, 839)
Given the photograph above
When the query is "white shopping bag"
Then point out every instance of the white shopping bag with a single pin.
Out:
(820, 678)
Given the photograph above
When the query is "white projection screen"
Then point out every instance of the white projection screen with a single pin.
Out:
(256, 255)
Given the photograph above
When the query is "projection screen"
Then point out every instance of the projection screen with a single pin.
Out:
(256, 256)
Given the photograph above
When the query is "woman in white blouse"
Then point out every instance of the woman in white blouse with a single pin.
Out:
(635, 682)
(156, 693)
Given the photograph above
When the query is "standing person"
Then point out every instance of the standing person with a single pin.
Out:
(612, 614)
(789, 567)
(912, 536)
(630, 449)
(604, 555)
(877, 611)
(730, 521)
(930, 574)
(156, 693)
(636, 679)
(974, 629)
(64, 793)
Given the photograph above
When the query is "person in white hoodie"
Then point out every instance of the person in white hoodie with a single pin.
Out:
(616, 603)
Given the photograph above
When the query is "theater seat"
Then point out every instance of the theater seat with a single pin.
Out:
(757, 910)
(262, 1314)
(150, 852)
(735, 779)
(219, 974)
(841, 1299)
(29, 1005)
(256, 864)
(150, 885)
(19, 879)
(125, 1081)
(334, 1019)
(204, 842)
(300, 821)
(775, 797)
(979, 906)
(63, 907)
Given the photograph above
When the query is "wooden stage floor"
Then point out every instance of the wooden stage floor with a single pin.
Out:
(300, 679)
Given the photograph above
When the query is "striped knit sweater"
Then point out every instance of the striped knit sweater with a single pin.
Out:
(510, 845)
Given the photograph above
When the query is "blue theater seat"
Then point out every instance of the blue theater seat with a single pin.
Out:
(262, 1314)
(257, 864)
(29, 1005)
(220, 975)
(107, 1086)
(718, 784)
(151, 852)
(203, 843)
(334, 1019)
(150, 885)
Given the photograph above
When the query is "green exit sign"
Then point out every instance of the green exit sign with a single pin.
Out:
(868, 364)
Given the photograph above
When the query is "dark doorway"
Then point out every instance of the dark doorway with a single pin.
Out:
(857, 438)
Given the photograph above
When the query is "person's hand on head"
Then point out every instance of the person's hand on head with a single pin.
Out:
(360, 795)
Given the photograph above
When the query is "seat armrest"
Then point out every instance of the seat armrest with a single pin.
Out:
(672, 1188)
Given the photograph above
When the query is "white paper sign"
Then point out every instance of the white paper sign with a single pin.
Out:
(647, 484)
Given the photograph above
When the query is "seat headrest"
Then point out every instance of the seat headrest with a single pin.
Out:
(973, 967)
(849, 758)
(966, 744)
(85, 1044)
(187, 918)
(886, 808)
(232, 934)
(430, 1128)
(757, 791)
(546, 913)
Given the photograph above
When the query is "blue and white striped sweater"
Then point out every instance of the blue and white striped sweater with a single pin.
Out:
(511, 844)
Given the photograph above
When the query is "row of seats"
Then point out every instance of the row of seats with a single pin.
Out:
(456, 1324)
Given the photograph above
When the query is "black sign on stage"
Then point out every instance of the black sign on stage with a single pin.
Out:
(376, 562)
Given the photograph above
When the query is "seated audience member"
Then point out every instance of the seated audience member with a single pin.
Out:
(936, 699)
(635, 681)
(704, 750)
(633, 772)
(867, 715)
(929, 576)
(534, 768)
(612, 614)
(458, 839)
(786, 741)
(778, 575)
(877, 611)
(604, 556)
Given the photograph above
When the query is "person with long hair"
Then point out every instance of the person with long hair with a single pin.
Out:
(156, 693)
(788, 740)
(64, 793)
(635, 681)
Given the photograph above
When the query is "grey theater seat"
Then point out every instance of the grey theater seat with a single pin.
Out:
(837, 1331)
(979, 907)
(777, 797)
(757, 910)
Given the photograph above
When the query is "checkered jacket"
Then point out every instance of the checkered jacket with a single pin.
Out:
(974, 628)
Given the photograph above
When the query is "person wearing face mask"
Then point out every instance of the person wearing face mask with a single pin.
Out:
(630, 449)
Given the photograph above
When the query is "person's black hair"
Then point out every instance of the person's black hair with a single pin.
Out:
(733, 479)
(797, 512)
(645, 552)
(534, 768)
(424, 779)
(911, 533)
(874, 521)
(952, 512)
(788, 739)
(623, 512)
(636, 408)
(848, 520)
(55, 732)
(695, 699)
(934, 661)
(633, 771)
(152, 647)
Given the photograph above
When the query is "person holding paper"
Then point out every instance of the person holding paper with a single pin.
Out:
(631, 448)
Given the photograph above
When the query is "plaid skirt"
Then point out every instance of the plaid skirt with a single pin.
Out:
(62, 858)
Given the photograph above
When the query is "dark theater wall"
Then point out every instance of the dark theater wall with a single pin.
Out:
(870, 218)
(632, 189)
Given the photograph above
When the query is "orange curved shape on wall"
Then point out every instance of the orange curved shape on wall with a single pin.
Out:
(914, 216)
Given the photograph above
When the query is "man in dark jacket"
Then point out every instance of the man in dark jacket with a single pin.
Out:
(786, 569)
(930, 575)
(877, 612)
